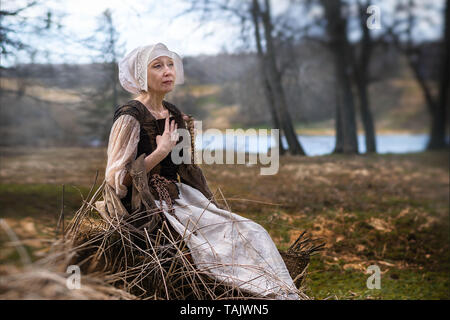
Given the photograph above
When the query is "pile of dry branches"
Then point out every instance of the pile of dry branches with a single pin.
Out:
(124, 255)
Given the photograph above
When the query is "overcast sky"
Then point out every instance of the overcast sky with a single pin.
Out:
(138, 22)
(145, 22)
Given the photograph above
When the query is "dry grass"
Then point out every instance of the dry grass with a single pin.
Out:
(125, 255)
(390, 210)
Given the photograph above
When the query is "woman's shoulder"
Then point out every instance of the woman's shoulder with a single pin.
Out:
(132, 108)
(138, 110)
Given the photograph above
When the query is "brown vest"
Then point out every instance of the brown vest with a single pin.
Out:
(189, 174)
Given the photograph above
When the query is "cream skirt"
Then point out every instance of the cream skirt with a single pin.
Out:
(231, 248)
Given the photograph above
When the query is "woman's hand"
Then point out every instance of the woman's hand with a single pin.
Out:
(167, 141)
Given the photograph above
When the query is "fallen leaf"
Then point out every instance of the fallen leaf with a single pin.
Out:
(380, 225)
(360, 247)
(354, 266)
(386, 263)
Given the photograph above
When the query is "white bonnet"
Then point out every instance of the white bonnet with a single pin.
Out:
(133, 68)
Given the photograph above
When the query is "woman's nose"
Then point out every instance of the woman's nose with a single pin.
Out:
(168, 70)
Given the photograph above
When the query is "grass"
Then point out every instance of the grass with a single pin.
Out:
(32, 210)
(331, 282)
(390, 210)
(43, 200)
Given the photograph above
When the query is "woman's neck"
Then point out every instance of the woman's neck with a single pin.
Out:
(152, 101)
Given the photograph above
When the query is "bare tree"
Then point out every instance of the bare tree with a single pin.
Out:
(102, 101)
(16, 22)
(401, 32)
(441, 112)
(273, 75)
(346, 133)
(254, 15)
(412, 52)
(361, 68)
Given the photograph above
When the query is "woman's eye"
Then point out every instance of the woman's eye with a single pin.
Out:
(156, 66)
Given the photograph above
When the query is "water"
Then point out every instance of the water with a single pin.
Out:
(313, 145)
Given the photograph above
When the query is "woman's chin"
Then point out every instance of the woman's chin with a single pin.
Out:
(163, 90)
(168, 87)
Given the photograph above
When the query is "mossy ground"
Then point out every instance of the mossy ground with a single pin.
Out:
(388, 210)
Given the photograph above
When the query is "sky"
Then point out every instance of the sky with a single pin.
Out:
(146, 22)
(142, 23)
(138, 22)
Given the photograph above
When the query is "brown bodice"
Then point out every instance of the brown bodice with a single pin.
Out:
(187, 173)
(150, 128)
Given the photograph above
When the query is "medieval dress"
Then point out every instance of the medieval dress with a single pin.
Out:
(234, 249)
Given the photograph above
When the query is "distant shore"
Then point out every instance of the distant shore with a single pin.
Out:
(331, 132)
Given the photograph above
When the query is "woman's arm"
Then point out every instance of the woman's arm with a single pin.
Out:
(150, 162)
(164, 145)
(122, 149)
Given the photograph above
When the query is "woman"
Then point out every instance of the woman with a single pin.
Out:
(234, 249)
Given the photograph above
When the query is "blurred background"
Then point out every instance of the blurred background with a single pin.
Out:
(358, 88)
(341, 76)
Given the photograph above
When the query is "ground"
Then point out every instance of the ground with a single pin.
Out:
(388, 210)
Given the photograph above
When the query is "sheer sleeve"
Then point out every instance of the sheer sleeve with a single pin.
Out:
(122, 149)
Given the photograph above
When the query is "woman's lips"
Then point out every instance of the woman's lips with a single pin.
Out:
(168, 82)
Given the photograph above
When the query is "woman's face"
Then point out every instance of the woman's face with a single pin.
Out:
(161, 75)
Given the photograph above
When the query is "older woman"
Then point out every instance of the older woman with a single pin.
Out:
(233, 249)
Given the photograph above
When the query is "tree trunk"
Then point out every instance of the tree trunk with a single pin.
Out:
(337, 31)
(362, 69)
(275, 120)
(339, 146)
(274, 76)
(265, 81)
(366, 117)
(439, 120)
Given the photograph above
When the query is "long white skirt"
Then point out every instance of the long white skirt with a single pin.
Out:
(233, 249)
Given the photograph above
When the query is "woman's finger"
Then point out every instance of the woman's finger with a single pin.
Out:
(166, 125)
